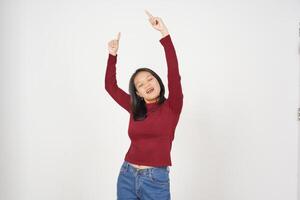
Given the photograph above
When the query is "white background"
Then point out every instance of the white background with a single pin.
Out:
(64, 138)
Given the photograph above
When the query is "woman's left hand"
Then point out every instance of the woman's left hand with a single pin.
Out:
(158, 24)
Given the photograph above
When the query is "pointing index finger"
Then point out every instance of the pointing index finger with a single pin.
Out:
(119, 35)
(149, 15)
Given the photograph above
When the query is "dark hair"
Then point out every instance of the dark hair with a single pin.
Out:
(138, 104)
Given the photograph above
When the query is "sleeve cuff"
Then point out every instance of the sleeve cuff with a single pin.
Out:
(112, 58)
(110, 55)
(165, 39)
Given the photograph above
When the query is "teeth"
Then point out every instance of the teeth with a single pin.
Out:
(149, 91)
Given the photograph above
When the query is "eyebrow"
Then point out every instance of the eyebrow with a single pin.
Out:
(146, 77)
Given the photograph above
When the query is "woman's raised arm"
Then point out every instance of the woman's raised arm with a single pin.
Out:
(175, 97)
(111, 86)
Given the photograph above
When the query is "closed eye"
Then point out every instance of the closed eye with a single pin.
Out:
(150, 79)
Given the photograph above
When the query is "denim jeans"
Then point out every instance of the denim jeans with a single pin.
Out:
(143, 184)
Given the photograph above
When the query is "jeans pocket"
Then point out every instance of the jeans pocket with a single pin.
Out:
(160, 176)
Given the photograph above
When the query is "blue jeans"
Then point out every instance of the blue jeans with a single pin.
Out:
(143, 184)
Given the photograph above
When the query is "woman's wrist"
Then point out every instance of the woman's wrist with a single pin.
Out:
(164, 33)
(113, 53)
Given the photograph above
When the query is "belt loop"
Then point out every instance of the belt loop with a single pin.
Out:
(125, 164)
(150, 172)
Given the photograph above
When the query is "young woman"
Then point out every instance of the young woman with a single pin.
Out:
(144, 173)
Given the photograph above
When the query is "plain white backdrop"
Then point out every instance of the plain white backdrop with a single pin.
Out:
(64, 138)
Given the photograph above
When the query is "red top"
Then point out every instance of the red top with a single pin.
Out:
(151, 139)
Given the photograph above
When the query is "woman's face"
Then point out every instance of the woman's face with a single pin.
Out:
(147, 86)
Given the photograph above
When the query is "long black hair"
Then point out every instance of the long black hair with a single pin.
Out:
(138, 104)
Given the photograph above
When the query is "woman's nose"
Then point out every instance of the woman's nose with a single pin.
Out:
(147, 86)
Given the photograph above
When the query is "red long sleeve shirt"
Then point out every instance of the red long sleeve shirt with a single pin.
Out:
(151, 139)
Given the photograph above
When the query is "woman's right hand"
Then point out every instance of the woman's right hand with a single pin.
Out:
(113, 45)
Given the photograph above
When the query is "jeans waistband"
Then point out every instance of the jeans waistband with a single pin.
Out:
(146, 170)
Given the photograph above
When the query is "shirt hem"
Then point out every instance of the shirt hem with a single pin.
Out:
(148, 164)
